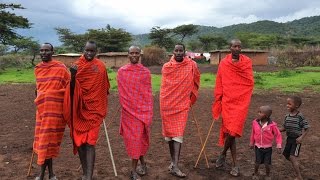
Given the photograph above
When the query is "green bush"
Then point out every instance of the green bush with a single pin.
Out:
(16, 61)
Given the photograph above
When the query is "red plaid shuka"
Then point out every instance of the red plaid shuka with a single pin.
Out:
(51, 81)
(135, 94)
(179, 90)
(232, 95)
(89, 102)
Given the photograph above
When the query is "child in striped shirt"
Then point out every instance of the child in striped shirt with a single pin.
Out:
(296, 127)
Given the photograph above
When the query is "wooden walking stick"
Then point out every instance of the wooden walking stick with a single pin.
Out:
(114, 116)
(205, 143)
(200, 136)
(30, 165)
(110, 150)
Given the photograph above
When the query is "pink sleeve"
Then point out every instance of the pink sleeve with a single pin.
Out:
(278, 136)
(252, 135)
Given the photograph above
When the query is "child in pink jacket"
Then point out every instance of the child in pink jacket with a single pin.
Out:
(264, 130)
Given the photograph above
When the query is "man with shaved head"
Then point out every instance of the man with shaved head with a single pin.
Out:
(135, 95)
(51, 82)
(85, 105)
(232, 95)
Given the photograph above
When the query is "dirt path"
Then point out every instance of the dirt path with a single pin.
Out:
(17, 115)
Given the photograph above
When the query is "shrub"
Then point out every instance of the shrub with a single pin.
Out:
(293, 57)
(154, 55)
(15, 60)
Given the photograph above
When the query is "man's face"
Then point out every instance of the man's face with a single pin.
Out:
(46, 52)
(178, 53)
(90, 51)
(134, 55)
(235, 49)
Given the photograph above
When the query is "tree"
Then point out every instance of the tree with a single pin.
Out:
(27, 45)
(10, 21)
(206, 41)
(107, 39)
(110, 39)
(194, 45)
(72, 42)
(185, 30)
(161, 37)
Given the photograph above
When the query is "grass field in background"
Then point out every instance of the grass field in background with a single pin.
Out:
(284, 81)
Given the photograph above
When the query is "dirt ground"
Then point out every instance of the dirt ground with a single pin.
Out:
(17, 120)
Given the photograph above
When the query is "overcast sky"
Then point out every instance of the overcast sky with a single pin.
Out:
(140, 16)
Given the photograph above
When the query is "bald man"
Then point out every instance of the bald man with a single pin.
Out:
(135, 95)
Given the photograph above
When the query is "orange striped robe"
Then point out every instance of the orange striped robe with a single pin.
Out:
(179, 90)
(51, 81)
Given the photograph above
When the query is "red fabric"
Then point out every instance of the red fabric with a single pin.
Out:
(179, 90)
(135, 95)
(232, 95)
(51, 80)
(89, 102)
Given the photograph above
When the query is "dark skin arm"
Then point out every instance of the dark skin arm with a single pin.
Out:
(300, 138)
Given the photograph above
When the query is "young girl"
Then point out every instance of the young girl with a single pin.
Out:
(264, 130)
(296, 127)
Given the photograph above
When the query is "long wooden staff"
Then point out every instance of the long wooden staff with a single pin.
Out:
(205, 143)
(30, 164)
(110, 150)
(200, 136)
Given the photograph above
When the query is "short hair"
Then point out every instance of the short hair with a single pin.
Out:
(49, 45)
(91, 42)
(133, 46)
(181, 44)
(296, 100)
(268, 110)
(234, 40)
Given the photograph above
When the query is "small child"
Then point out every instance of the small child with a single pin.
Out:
(296, 127)
(264, 130)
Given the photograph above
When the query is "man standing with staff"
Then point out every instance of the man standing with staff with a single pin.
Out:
(87, 96)
(232, 95)
(179, 90)
(51, 81)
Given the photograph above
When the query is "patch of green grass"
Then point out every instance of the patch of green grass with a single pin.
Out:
(294, 82)
(13, 75)
(284, 81)
(309, 68)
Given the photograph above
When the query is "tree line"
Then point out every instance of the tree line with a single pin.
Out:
(116, 39)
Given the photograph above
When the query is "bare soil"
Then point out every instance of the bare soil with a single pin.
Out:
(17, 120)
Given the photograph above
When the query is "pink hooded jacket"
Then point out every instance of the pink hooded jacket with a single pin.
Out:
(262, 137)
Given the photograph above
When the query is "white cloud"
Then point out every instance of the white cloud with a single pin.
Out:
(299, 14)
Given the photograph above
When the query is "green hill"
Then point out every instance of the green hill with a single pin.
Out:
(305, 27)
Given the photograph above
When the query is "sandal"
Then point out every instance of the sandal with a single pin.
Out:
(142, 169)
(235, 171)
(221, 161)
(176, 172)
(134, 176)
(170, 166)
(53, 178)
(37, 178)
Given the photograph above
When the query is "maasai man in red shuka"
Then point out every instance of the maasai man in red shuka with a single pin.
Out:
(179, 90)
(51, 81)
(135, 95)
(232, 95)
(86, 105)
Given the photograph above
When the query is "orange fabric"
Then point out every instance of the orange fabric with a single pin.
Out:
(89, 100)
(232, 95)
(51, 80)
(179, 90)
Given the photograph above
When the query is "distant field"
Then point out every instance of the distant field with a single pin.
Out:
(304, 78)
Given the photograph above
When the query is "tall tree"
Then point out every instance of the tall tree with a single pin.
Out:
(107, 39)
(26, 45)
(10, 21)
(185, 30)
(110, 39)
(206, 41)
(161, 37)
